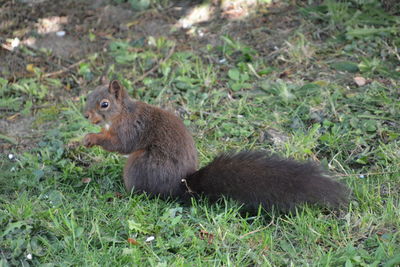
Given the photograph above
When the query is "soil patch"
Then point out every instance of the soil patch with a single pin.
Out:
(55, 36)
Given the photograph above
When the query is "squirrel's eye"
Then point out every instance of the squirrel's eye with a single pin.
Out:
(104, 104)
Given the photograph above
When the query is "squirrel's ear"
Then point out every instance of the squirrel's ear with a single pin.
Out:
(115, 88)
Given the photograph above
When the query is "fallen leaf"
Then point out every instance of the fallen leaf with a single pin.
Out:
(284, 74)
(204, 235)
(13, 117)
(360, 81)
(30, 68)
(133, 241)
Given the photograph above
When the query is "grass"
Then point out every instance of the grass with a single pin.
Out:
(62, 204)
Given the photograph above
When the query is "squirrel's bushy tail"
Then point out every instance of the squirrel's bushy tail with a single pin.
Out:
(255, 178)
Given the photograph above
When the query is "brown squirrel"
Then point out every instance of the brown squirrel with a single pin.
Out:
(163, 160)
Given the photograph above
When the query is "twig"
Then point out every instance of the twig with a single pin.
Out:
(256, 231)
(187, 187)
(66, 69)
(251, 68)
(144, 75)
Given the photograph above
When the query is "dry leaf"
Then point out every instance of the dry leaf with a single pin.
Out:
(204, 235)
(30, 68)
(133, 241)
(360, 81)
(13, 117)
(284, 74)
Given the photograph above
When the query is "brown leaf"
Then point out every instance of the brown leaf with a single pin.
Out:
(133, 241)
(284, 74)
(204, 235)
(13, 117)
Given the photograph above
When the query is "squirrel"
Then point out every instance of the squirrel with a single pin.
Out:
(163, 160)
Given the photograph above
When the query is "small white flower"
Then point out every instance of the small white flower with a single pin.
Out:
(10, 156)
(29, 256)
(150, 238)
(15, 42)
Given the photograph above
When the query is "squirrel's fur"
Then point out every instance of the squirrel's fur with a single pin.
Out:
(163, 160)
(255, 178)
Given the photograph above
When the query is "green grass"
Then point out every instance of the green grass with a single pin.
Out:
(51, 214)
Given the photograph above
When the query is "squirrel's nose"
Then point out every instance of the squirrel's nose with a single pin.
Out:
(86, 115)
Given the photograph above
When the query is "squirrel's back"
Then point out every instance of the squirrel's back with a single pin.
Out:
(254, 178)
(167, 155)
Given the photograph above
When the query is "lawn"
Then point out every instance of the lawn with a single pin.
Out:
(310, 80)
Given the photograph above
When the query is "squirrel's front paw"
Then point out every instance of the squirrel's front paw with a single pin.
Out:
(89, 140)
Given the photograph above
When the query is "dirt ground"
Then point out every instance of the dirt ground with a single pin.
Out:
(56, 36)
(63, 27)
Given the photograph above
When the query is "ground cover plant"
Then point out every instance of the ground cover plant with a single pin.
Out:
(312, 80)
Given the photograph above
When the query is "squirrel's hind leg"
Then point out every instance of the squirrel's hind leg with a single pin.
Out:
(143, 173)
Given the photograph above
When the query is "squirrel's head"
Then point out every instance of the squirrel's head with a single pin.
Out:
(105, 102)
